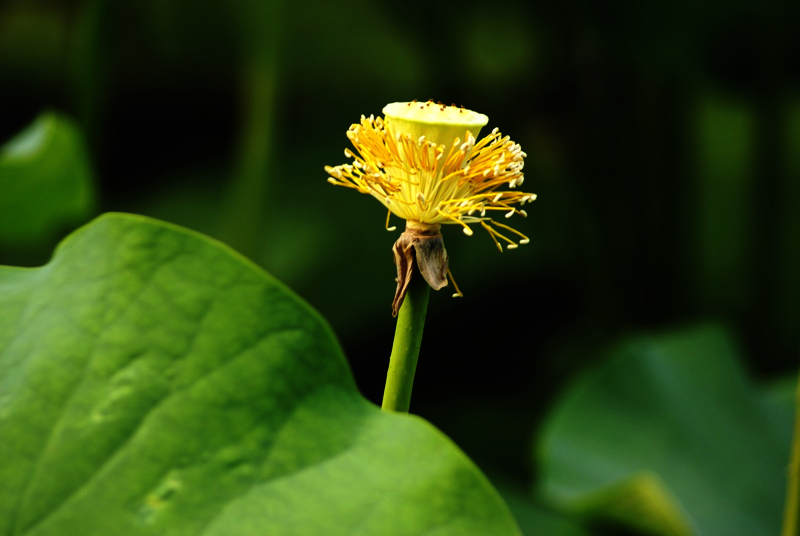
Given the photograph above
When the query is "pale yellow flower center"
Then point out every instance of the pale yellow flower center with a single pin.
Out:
(439, 124)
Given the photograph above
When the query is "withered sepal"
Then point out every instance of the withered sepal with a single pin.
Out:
(430, 259)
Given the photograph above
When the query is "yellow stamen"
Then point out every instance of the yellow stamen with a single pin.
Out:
(492, 232)
(524, 240)
(458, 293)
(425, 163)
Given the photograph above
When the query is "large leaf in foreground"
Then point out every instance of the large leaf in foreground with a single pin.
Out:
(154, 382)
(668, 436)
(45, 182)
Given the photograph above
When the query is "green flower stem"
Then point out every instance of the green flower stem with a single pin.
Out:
(405, 350)
(791, 526)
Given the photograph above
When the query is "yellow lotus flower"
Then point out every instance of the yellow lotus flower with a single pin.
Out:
(425, 164)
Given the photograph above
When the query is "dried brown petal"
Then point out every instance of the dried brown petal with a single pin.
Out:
(421, 246)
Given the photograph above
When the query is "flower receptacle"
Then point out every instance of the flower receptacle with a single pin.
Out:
(440, 124)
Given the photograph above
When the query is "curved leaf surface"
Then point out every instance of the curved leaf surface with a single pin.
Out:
(154, 382)
(669, 437)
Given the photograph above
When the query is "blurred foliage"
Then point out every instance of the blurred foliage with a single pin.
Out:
(724, 246)
(46, 185)
(663, 142)
(669, 436)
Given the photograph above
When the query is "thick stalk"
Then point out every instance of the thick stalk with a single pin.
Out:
(791, 514)
(405, 350)
(248, 204)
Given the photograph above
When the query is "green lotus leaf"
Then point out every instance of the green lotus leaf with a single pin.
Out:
(154, 382)
(669, 437)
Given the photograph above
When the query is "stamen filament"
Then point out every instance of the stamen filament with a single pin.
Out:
(524, 240)
(491, 234)
(458, 293)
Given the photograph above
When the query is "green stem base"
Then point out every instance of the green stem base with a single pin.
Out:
(405, 350)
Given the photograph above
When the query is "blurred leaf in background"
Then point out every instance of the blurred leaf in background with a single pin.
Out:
(46, 185)
(670, 437)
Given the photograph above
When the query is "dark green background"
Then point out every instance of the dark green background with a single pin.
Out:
(663, 142)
